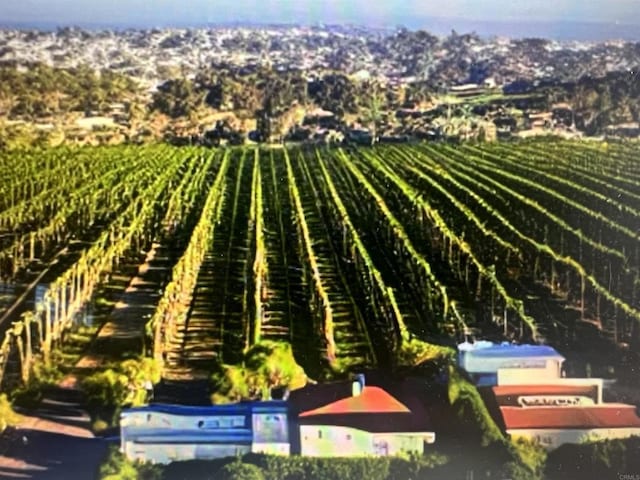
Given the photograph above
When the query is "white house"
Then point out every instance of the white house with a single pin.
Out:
(529, 398)
(369, 421)
(167, 433)
(483, 360)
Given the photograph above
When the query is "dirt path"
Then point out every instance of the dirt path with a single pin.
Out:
(124, 330)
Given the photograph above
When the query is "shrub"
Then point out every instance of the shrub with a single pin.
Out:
(594, 460)
(267, 365)
(108, 391)
(310, 468)
(529, 459)
(7, 416)
(471, 412)
(42, 376)
(416, 466)
(117, 467)
(239, 471)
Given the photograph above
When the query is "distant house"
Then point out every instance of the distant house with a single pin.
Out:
(467, 90)
(364, 421)
(562, 114)
(483, 360)
(167, 433)
(540, 119)
(630, 130)
(321, 118)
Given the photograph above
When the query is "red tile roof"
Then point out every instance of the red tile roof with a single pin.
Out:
(370, 400)
(610, 415)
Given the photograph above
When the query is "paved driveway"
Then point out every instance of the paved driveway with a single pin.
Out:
(47, 450)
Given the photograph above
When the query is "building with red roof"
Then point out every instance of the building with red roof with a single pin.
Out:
(558, 413)
(553, 426)
(525, 390)
(367, 420)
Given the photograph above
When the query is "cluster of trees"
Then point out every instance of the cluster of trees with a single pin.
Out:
(41, 90)
(264, 89)
(229, 89)
(599, 102)
(271, 97)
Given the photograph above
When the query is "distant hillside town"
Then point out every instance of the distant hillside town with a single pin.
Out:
(308, 84)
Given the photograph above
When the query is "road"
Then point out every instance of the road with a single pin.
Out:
(56, 444)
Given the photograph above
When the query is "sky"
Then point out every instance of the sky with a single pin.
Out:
(387, 12)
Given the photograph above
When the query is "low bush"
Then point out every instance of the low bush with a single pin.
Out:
(43, 376)
(239, 471)
(600, 459)
(116, 467)
(108, 391)
(7, 416)
(473, 419)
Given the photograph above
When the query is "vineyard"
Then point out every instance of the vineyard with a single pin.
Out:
(357, 258)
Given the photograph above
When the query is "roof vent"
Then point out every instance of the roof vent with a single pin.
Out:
(358, 385)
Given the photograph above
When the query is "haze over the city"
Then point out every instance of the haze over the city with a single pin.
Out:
(564, 19)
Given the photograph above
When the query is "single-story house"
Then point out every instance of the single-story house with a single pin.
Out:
(167, 433)
(528, 404)
(467, 90)
(365, 420)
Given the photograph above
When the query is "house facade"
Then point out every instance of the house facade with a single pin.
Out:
(483, 360)
(167, 433)
(339, 441)
(367, 422)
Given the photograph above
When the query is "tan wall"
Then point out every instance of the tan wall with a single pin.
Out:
(529, 376)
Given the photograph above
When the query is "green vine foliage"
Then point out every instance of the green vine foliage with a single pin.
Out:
(266, 365)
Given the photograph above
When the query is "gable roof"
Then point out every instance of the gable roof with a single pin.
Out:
(611, 415)
(370, 400)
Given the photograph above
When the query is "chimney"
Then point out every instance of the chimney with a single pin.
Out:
(358, 385)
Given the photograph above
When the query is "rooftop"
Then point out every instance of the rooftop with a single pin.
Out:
(370, 400)
(611, 415)
(508, 350)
